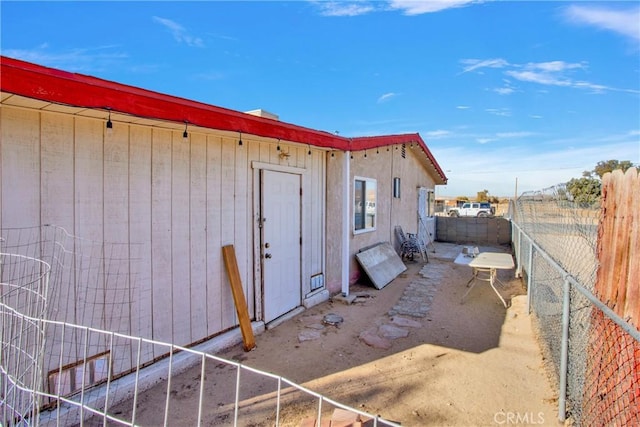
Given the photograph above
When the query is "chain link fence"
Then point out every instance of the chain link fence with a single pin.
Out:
(593, 354)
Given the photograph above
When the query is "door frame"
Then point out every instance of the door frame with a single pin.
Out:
(257, 232)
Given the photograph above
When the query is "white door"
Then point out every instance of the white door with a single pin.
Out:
(280, 245)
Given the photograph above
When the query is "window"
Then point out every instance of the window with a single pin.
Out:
(364, 205)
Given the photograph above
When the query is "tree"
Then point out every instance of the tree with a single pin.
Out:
(481, 196)
(586, 190)
(605, 166)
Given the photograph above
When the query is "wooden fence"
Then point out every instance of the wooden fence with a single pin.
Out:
(611, 394)
(617, 280)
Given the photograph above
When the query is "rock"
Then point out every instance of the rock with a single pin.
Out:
(403, 321)
(316, 326)
(372, 339)
(393, 332)
(309, 335)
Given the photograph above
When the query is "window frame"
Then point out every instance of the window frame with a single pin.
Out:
(364, 228)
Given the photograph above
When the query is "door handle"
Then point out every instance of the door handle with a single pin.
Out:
(267, 255)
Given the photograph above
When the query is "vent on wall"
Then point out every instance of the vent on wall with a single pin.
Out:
(317, 281)
(404, 151)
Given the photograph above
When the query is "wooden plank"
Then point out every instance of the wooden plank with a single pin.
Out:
(116, 233)
(161, 238)
(140, 237)
(603, 274)
(215, 274)
(181, 266)
(242, 206)
(632, 304)
(57, 170)
(20, 168)
(198, 233)
(228, 219)
(231, 265)
(623, 236)
(89, 216)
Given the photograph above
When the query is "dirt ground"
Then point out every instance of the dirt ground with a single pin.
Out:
(470, 364)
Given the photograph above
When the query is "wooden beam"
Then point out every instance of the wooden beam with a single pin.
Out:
(231, 264)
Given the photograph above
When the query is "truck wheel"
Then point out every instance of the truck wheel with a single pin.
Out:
(453, 214)
(482, 214)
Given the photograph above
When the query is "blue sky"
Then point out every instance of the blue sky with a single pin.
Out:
(500, 90)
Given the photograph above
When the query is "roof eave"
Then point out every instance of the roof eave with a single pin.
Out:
(78, 90)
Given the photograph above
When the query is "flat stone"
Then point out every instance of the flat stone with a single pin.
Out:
(345, 299)
(393, 332)
(308, 335)
(403, 321)
(316, 326)
(371, 338)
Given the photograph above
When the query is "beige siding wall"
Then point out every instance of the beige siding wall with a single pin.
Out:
(382, 166)
(174, 204)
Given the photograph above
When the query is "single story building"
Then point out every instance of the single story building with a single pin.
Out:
(174, 180)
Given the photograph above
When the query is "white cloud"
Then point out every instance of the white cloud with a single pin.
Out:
(335, 8)
(555, 66)
(521, 134)
(474, 64)
(503, 112)
(463, 107)
(624, 22)
(386, 97)
(548, 73)
(438, 134)
(504, 90)
(418, 7)
(484, 140)
(539, 77)
(179, 32)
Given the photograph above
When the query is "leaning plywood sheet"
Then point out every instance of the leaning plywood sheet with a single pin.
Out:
(381, 263)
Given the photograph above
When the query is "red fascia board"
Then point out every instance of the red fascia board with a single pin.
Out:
(78, 90)
(61, 87)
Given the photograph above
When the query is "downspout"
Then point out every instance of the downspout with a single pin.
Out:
(346, 191)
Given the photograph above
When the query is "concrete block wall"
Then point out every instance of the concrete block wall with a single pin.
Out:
(479, 231)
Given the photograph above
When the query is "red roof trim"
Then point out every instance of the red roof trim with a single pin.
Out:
(61, 87)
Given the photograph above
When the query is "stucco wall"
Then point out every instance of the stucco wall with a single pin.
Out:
(382, 165)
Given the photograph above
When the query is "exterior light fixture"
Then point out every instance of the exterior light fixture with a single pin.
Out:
(185, 134)
(278, 147)
(309, 152)
(109, 123)
(240, 140)
(396, 188)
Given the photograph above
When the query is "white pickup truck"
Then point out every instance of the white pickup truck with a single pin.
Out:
(473, 209)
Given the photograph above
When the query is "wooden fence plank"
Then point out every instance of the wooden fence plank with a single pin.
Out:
(231, 265)
(632, 304)
(619, 244)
